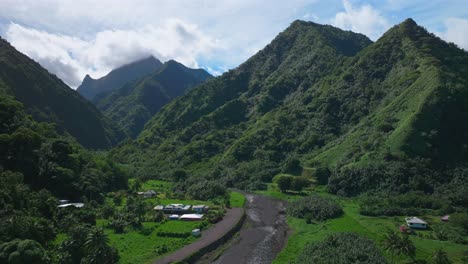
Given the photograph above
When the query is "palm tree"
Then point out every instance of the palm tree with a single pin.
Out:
(97, 245)
(398, 244)
(391, 243)
(407, 247)
(440, 257)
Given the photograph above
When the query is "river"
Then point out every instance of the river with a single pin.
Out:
(264, 234)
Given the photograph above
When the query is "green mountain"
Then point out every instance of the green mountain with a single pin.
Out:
(48, 99)
(389, 115)
(90, 87)
(136, 102)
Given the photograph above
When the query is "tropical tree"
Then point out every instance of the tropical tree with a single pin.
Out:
(284, 183)
(97, 248)
(407, 247)
(440, 257)
(391, 243)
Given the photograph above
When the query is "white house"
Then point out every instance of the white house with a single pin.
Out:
(177, 208)
(415, 222)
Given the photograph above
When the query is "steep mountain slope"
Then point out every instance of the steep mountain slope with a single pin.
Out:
(208, 122)
(48, 99)
(136, 102)
(90, 87)
(330, 98)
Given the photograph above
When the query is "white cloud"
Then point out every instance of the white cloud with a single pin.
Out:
(238, 29)
(457, 32)
(364, 19)
(71, 58)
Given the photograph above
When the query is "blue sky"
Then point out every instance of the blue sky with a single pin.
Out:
(74, 38)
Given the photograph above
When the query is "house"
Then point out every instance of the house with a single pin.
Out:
(415, 222)
(196, 232)
(76, 205)
(174, 217)
(149, 194)
(159, 207)
(445, 218)
(176, 208)
(200, 208)
(191, 217)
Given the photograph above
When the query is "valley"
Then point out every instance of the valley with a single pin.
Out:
(325, 146)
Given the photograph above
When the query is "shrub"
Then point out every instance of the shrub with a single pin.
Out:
(315, 207)
(173, 234)
(341, 248)
(284, 182)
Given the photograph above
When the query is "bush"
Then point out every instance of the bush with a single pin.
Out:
(388, 204)
(173, 234)
(284, 182)
(448, 231)
(299, 183)
(206, 190)
(341, 248)
(315, 207)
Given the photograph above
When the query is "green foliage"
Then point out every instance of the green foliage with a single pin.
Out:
(284, 182)
(398, 244)
(87, 245)
(22, 251)
(341, 248)
(314, 207)
(450, 232)
(411, 203)
(440, 257)
(460, 220)
(206, 190)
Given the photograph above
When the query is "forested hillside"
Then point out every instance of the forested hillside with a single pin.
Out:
(37, 168)
(358, 115)
(48, 99)
(136, 102)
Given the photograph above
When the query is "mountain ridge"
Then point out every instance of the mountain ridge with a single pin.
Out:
(90, 88)
(136, 102)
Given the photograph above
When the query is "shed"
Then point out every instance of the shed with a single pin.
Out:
(174, 217)
(191, 217)
(159, 207)
(415, 222)
(200, 208)
(149, 194)
(196, 232)
(445, 218)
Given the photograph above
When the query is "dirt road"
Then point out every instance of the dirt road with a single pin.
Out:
(230, 219)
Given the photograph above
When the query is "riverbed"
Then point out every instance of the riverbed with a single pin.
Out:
(264, 234)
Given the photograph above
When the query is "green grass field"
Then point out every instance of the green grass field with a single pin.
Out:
(351, 221)
(236, 199)
(135, 247)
